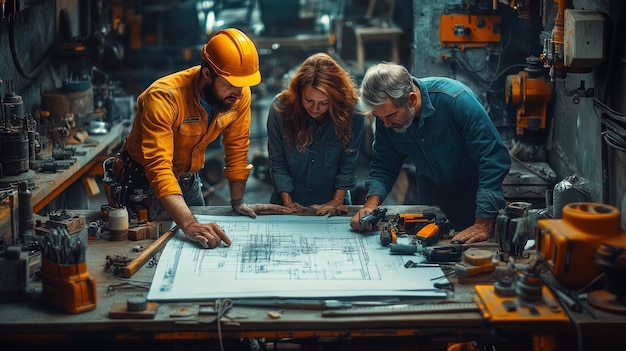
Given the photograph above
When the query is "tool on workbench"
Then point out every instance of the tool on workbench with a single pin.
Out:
(456, 307)
(59, 247)
(411, 264)
(443, 253)
(514, 226)
(388, 234)
(429, 234)
(421, 228)
(116, 263)
(437, 253)
(529, 300)
(49, 167)
(124, 184)
(129, 285)
(568, 245)
(150, 251)
(75, 224)
(413, 222)
(373, 218)
(311, 304)
(426, 227)
(94, 230)
(475, 261)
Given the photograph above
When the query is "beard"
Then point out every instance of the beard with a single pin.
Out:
(210, 94)
(402, 129)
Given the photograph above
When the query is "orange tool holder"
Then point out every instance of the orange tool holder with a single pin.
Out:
(68, 286)
(465, 30)
(568, 245)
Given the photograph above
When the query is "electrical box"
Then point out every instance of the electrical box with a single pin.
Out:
(583, 38)
(469, 30)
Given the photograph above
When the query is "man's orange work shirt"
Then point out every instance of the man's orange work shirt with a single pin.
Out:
(171, 132)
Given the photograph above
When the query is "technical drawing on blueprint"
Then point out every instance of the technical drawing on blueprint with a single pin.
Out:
(287, 256)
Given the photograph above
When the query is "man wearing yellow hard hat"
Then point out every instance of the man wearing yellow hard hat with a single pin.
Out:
(177, 117)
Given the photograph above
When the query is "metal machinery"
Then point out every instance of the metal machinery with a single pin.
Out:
(588, 232)
(479, 26)
(469, 30)
(18, 142)
(576, 43)
(16, 236)
(25, 149)
(529, 91)
(568, 245)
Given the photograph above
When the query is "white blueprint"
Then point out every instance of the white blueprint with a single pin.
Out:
(287, 256)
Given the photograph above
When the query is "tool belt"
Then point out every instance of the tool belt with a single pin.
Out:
(187, 180)
(126, 185)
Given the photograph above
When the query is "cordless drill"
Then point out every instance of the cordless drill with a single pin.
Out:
(373, 217)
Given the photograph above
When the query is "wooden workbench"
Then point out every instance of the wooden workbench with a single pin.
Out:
(88, 155)
(34, 324)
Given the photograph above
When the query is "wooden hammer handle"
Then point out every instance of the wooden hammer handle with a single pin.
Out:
(146, 254)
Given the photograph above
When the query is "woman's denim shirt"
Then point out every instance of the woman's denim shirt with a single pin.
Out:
(452, 138)
(311, 177)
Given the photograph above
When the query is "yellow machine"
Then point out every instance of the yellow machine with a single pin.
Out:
(568, 245)
(529, 91)
(520, 296)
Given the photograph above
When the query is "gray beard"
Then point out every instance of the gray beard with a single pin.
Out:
(406, 126)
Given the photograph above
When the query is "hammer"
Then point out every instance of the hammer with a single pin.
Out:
(146, 254)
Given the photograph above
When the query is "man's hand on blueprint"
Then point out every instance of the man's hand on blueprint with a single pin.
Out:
(208, 235)
(262, 209)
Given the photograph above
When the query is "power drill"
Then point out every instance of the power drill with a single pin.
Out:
(411, 223)
(389, 234)
(373, 217)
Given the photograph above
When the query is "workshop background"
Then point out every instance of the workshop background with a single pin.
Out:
(552, 75)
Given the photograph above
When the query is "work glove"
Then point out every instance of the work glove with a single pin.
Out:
(261, 209)
(330, 210)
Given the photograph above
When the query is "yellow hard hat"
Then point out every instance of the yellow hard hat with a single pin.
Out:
(233, 56)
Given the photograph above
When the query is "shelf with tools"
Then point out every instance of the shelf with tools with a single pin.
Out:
(87, 156)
